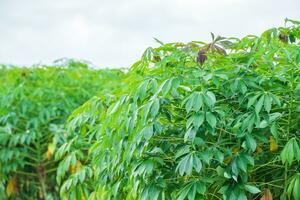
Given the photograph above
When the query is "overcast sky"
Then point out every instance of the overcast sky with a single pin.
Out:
(114, 33)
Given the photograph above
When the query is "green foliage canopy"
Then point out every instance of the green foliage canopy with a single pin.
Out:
(224, 128)
(34, 105)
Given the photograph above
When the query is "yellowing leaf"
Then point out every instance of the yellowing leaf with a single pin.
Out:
(50, 151)
(186, 179)
(12, 187)
(267, 195)
(235, 150)
(273, 144)
(259, 148)
(227, 160)
(75, 168)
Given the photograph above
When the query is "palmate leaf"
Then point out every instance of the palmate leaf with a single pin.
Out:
(194, 102)
(291, 151)
(185, 166)
(188, 163)
(196, 120)
(191, 189)
(252, 99)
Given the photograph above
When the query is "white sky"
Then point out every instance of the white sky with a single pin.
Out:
(114, 33)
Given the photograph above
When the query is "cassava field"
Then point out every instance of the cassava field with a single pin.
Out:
(215, 121)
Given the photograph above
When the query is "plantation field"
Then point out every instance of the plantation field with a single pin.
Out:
(215, 120)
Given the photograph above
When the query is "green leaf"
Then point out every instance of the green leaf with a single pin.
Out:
(185, 166)
(290, 152)
(197, 164)
(276, 100)
(147, 132)
(155, 108)
(212, 97)
(166, 86)
(252, 100)
(185, 88)
(147, 110)
(219, 156)
(208, 101)
(296, 150)
(296, 189)
(259, 104)
(242, 87)
(263, 124)
(248, 122)
(234, 169)
(211, 119)
(184, 192)
(287, 154)
(274, 116)
(242, 196)
(252, 189)
(201, 188)
(298, 58)
(206, 156)
(189, 103)
(241, 164)
(250, 142)
(274, 131)
(182, 151)
(198, 102)
(190, 121)
(142, 90)
(220, 171)
(267, 103)
(190, 134)
(192, 193)
(198, 120)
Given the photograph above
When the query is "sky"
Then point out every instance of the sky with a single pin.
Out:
(114, 33)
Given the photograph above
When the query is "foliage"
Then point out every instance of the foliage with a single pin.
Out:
(34, 104)
(195, 121)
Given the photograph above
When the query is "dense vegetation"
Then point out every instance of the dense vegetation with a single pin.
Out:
(34, 104)
(194, 121)
(217, 120)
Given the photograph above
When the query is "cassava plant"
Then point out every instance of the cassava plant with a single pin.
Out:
(34, 104)
(194, 121)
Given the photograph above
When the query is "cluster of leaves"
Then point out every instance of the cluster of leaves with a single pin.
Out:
(226, 128)
(34, 105)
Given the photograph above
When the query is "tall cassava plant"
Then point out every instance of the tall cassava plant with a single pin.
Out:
(34, 104)
(196, 121)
